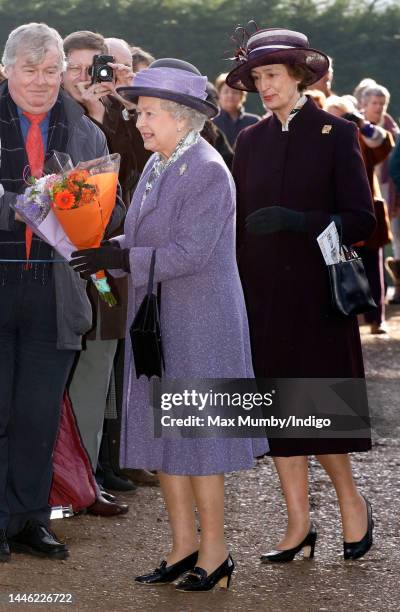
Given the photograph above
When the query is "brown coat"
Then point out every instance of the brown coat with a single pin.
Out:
(372, 157)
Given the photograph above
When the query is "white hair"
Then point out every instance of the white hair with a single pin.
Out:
(36, 39)
(194, 119)
(375, 90)
(343, 103)
(363, 84)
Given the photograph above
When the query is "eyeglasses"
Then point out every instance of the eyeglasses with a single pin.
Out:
(76, 69)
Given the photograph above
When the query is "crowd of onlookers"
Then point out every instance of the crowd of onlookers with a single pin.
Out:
(96, 379)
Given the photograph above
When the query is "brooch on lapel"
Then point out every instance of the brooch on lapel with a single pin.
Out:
(326, 129)
(182, 169)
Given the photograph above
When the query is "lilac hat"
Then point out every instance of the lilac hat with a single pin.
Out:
(275, 46)
(175, 80)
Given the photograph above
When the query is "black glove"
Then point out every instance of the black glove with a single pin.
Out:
(110, 243)
(275, 219)
(90, 261)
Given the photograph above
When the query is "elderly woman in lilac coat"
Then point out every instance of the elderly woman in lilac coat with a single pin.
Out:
(184, 207)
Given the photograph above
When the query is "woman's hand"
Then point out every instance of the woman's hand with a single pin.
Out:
(275, 219)
(90, 261)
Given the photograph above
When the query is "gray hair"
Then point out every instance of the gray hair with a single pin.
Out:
(194, 119)
(375, 90)
(36, 39)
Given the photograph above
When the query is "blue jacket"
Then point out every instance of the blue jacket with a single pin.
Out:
(394, 166)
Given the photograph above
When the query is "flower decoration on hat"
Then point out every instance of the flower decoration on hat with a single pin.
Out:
(265, 46)
(239, 38)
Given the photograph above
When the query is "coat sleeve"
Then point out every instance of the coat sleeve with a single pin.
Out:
(394, 166)
(352, 193)
(7, 214)
(381, 152)
(239, 173)
(203, 214)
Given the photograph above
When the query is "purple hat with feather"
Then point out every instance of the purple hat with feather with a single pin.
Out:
(275, 46)
(175, 80)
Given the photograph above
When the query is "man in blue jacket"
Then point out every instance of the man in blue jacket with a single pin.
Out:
(44, 306)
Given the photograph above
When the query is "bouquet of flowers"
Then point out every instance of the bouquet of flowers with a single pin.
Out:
(70, 210)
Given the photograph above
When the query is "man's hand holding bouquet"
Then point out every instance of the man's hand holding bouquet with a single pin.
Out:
(70, 209)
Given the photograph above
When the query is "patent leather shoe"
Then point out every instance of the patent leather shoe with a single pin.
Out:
(284, 556)
(5, 554)
(165, 574)
(37, 539)
(107, 495)
(197, 579)
(104, 507)
(355, 550)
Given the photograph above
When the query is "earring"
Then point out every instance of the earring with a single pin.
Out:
(179, 129)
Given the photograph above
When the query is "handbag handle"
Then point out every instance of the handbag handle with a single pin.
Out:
(151, 274)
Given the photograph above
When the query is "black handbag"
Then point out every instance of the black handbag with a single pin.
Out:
(145, 332)
(350, 290)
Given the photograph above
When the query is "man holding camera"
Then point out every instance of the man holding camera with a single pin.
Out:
(95, 68)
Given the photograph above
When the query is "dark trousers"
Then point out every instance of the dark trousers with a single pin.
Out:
(112, 427)
(374, 269)
(33, 374)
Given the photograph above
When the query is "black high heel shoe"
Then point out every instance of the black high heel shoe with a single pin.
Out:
(284, 556)
(197, 579)
(355, 550)
(165, 574)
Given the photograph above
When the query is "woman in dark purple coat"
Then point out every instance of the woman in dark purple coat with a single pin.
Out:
(293, 171)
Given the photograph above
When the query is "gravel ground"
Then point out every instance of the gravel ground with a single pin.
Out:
(107, 553)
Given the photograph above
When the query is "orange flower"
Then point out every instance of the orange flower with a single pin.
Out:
(76, 180)
(64, 199)
(79, 176)
(87, 196)
(73, 187)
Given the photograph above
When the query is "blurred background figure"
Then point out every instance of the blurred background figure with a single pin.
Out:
(141, 59)
(338, 105)
(394, 169)
(318, 96)
(121, 51)
(362, 85)
(232, 117)
(376, 144)
(374, 102)
(213, 134)
(325, 84)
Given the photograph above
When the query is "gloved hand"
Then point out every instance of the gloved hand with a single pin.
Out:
(275, 219)
(90, 261)
(110, 243)
(368, 129)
